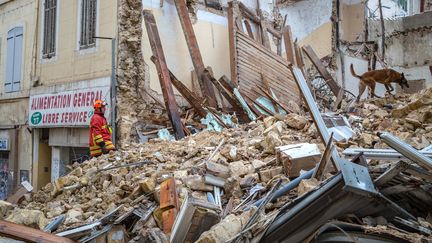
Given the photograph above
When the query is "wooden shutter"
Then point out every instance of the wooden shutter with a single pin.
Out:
(14, 59)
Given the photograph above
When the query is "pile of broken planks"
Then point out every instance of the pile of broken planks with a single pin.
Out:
(261, 83)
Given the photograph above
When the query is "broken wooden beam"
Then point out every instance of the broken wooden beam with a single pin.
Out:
(289, 46)
(325, 158)
(169, 203)
(194, 101)
(194, 51)
(21, 232)
(228, 95)
(164, 77)
(335, 88)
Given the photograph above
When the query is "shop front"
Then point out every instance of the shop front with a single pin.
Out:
(60, 117)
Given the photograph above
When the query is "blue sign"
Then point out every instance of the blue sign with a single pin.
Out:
(4, 144)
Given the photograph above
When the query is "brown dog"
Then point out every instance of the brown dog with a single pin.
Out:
(384, 76)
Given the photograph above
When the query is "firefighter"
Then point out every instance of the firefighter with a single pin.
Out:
(100, 132)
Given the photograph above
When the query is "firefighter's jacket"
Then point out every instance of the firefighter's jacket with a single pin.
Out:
(99, 132)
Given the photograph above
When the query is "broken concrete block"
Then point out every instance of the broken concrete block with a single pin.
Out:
(268, 121)
(179, 174)
(277, 127)
(238, 168)
(257, 164)
(73, 216)
(296, 121)
(249, 180)
(148, 185)
(272, 140)
(4, 208)
(367, 139)
(196, 182)
(233, 153)
(31, 218)
(267, 175)
(297, 157)
(416, 123)
(306, 185)
(226, 229)
(218, 169)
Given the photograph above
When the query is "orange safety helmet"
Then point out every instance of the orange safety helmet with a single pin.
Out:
(99, 104)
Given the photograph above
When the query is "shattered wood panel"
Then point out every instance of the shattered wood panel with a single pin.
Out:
(253, 61)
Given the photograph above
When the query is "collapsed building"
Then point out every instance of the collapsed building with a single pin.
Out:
(260, 139)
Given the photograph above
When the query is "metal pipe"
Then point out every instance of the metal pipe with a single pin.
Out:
(288, 187)
(406, 150)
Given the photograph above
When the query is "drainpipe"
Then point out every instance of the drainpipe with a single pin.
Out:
(35, 42)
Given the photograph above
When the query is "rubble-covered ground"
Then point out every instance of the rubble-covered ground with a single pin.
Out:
(247, 157)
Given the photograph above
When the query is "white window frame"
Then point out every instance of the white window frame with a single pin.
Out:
(78, 35)
(42, 28)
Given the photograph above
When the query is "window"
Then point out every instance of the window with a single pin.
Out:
(14, 59)
(49, 31)
(88, 24)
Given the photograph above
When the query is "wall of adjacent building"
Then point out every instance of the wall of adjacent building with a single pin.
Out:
(14, 105)
(69, 63)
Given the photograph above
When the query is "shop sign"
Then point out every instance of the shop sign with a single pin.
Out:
(66, 109)
(4, 144)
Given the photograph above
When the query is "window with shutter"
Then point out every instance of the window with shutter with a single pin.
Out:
(14, 46)
(88, 24)
(49, 30)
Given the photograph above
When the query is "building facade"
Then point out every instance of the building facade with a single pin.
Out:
(51, 70)
(17, 34)
(73, 69)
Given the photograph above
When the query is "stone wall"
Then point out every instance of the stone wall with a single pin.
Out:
(133, 105)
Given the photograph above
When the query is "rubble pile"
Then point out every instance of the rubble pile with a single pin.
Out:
(245, 162)
(409, 117)
(246, 157)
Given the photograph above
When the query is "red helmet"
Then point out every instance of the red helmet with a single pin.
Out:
(99, 104)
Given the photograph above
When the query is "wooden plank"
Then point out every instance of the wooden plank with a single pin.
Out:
(168, 219)
(267, 92)
(260, 105)
(325, 158)
(391, 173)
(194, 101)
(264, 34)
(21, 232)
(249, 13)
(275, 102)
(299, 56)
(242, 38)
(397, 189)
(233, 10)
(289, 46)
(168, 194)
(223, 82)
(194, 51)
(164, 77)
(322, 70)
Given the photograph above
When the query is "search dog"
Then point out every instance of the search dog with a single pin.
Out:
(383, 76)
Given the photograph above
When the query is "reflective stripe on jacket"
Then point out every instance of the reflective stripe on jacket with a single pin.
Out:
(99, 132)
